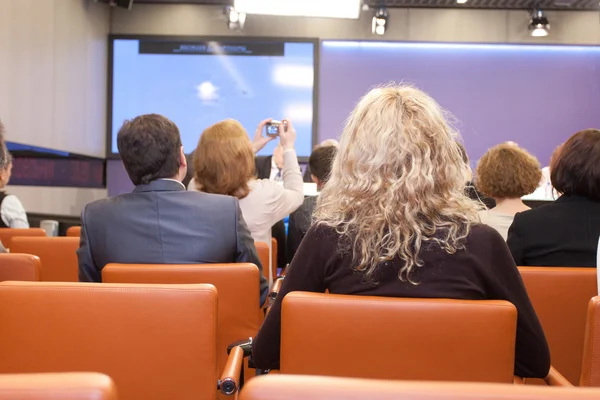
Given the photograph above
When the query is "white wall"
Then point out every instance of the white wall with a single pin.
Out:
(53, 58)
(436, 25)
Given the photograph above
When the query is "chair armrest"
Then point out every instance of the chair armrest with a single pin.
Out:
(230, 379)
(518, 380)
(555, 378)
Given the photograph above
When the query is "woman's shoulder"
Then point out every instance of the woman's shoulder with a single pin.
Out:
(322, 234)
(483, 234)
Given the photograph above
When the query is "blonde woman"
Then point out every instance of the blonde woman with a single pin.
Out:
(393, 220)
(224, 164)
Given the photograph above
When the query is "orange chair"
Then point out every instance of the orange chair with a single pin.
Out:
(237, 285)
(19, 267)
(6, 234)
(324, 388)
(560, 297)
(398, 338)
(57, 254)
(590, 369)
(156, 342)
(74, 231)
(264, 252)
(61, 386)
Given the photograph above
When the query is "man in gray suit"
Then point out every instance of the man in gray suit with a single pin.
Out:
(161, 222)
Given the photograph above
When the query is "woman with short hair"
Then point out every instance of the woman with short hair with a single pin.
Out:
(566, 232)
(224, 164)
(506, 173)
(393, 220)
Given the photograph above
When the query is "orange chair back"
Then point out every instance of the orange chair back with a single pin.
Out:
(57, 255)
(19, 267)
(398, 338)
(156, 342)
(560, 297)
(287, 387)
(590, 369)
(63, 386)
(6, 234)
(237, 285)
(74, 231)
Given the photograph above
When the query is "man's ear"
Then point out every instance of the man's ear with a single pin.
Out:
(315, 179)
(182, 158)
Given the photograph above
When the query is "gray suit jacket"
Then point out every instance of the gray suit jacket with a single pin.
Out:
(162, 223)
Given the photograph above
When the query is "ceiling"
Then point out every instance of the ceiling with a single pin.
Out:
(591, 5)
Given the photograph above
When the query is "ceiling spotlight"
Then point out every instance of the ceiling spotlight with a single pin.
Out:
(461, 1)
(380, 22)
(538, 24)
(235, 19)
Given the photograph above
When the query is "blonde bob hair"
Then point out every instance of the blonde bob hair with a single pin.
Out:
(397, 182)
(224, 160)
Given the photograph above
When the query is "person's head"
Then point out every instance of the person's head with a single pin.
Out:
(224, 160)
(150, 148)
(575, 167)
(507, 171)
(397, 182)
(320, 162)
(278, 156)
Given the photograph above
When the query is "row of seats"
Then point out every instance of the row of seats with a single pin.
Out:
(59, 261)
(161, 341)
(94, 386)
(559, 295)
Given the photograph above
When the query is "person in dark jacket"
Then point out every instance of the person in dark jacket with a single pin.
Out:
(565, 232)
(320, 162)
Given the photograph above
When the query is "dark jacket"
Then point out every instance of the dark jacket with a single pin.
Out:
(300, 221)
(162, 223)
(563, 233)
(483, 270)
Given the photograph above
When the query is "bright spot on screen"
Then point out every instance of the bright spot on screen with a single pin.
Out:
(207, 91)
(299, 113)
(293, 75)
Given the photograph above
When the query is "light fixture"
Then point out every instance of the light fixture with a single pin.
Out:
(538, 24)
(380, 22)
(301, 8)
(461, 1)
(235, 19)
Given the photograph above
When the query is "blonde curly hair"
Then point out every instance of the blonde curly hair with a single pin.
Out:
(397, 182)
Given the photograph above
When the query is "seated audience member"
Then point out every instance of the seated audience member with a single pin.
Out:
(393, 220)
(564, 233)
(224, 164)
(12, 213)
(325, 143)
(506, 173)
(161, 222)
(470, 190)
(300, 220)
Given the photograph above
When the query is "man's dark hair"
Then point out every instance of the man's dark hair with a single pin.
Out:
(575, 167)
(320, 162)
(149, 146)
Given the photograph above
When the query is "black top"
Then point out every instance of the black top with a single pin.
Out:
(563, 233)
(2, 197)
(300, 221)
(484, 270)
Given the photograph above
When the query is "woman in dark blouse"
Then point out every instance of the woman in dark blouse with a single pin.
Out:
(564, 233)
(393, 220)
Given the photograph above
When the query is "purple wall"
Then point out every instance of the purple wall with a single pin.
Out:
(536, 96)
